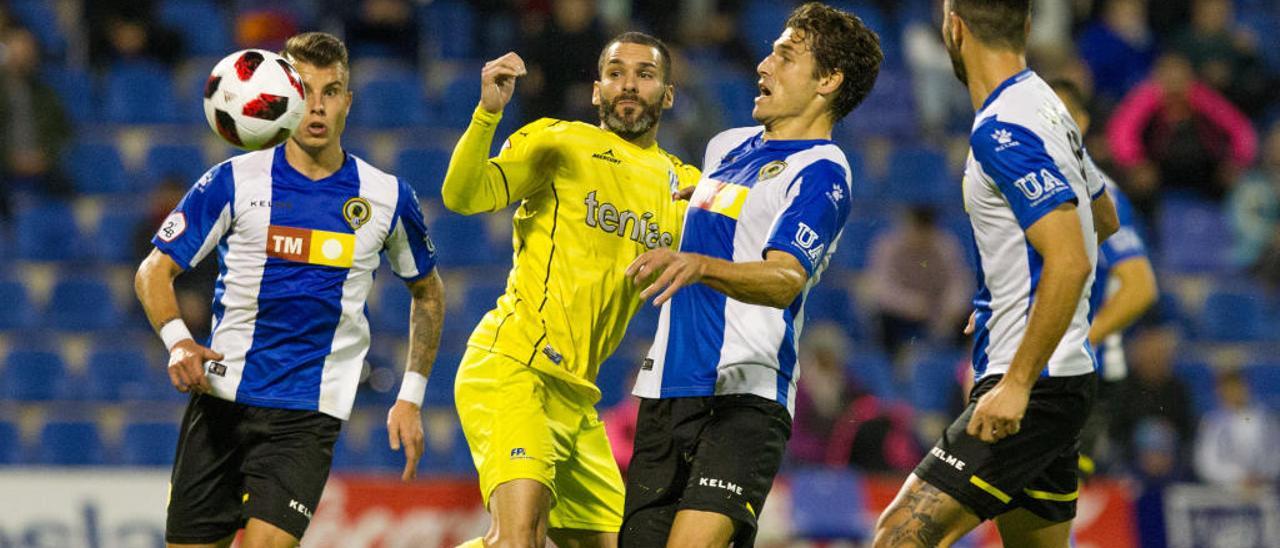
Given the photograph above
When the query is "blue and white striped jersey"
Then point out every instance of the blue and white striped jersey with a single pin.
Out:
(296, 259)
(1026, 158)
(1122, 246)
(755, 195)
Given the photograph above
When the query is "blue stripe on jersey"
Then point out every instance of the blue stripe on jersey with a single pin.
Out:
(787, 350)
(982, 315)
(409, 215)
(299, 304)
(697, 311)
(219, 288)
(1017, 160)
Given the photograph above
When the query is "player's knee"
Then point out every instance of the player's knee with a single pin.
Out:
(516, 535)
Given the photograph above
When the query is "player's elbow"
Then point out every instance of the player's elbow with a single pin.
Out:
(455, 201)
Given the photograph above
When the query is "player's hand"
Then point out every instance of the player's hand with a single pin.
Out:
(186, 366)
(498, 81)
(672, 269)
(999, 412)
(970, 327)
(404, 427)
(686, 193)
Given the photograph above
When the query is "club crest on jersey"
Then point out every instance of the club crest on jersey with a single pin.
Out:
(770, 170)
(357, 212)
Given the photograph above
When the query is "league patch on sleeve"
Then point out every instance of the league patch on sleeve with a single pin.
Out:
(172, 227)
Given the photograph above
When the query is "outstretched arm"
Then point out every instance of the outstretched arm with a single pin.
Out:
(775, 281)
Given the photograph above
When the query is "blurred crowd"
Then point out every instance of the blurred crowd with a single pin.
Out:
(1185, 95)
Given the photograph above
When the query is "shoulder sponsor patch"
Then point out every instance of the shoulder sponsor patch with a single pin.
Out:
(172, 227)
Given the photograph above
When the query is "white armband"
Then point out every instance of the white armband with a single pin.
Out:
(174, 332)
(413, 388)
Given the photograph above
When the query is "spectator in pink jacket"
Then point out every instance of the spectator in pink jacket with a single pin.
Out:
(1173, 132)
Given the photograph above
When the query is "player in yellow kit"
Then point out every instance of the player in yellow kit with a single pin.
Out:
(592, 199)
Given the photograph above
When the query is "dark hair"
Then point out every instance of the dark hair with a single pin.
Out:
(1073, 93)
(633, 37)
(317, 48)
(842, 43)
(996, 22)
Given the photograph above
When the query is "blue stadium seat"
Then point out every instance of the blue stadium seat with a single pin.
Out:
(75, 90)
(116, 233)
(933, 383)
(1264, 383)
(614, 380)
(139, 93)
(440, 386)
(80, 304)
(853, 252)
(149, 444)
(456, 238)
(736, 93)
(828, 504)
(47, 232)
(829, 301)
(1201, 382)
(350, 452)
(10, 443)
(33, 375)
(919, 176)
(423, 169)
(185, 163)
(391, 315)
(873, 371)
(96, 168)
(203, 25)
(391, 101)
(72, 443)
(1195, 237)
(888, 111)
(458, 102)
(41, 18)
(482, 296)
(123, 374)
(1233, 315)
(17, 312)
(761, 23)
(450, 26)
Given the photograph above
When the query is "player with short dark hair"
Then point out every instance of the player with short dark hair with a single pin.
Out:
(1012, 454)
(591, 199)
(718, 387)
(299, 229)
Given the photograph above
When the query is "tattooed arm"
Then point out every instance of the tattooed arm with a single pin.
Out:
(404, 421)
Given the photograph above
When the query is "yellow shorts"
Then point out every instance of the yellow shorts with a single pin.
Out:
(523, 424)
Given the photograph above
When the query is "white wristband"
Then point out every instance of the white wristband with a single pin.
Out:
(413, 388)
(174, 332)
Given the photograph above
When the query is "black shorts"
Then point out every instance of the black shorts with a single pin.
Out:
(238, 461)
(1035, 469)
(715, 454)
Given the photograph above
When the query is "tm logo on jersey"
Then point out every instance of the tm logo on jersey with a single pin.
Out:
(606, 216)
(719, 197)
(1037, 189)
(304, 245)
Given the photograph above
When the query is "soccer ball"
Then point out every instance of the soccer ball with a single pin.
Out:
(254, 99)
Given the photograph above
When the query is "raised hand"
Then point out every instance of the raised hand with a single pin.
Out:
(498, 81)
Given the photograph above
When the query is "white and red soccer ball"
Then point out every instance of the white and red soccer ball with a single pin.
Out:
(254, 99)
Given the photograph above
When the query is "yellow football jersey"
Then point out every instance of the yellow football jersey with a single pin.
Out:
(590, 203)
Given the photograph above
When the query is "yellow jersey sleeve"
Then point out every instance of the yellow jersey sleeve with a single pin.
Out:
(475, 183)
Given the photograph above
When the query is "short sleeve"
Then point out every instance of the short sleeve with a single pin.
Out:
(409, 248)
(1016, 160)
(201, 219)
(1126, 243)
(817, 205)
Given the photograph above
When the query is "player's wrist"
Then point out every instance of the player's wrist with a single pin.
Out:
(413, 388)
(486, 116)
(174, 332)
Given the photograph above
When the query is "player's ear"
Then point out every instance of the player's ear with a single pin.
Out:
(595, 93)
(668, 96)
(830, 83)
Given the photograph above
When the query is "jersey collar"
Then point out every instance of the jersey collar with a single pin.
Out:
(1020, 76)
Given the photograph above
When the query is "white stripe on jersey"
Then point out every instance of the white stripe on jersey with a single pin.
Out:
(233, 335)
